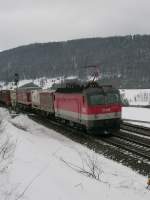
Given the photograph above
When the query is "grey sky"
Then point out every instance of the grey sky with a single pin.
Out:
(28, 21)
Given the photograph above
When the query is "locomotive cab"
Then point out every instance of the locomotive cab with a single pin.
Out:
(103, 109)
(96, 108)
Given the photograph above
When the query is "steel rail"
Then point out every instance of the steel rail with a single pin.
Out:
(136, 129)
(130, 148)
(119, 142)
(136, 140)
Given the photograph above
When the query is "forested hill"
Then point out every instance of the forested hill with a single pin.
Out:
(124, 59)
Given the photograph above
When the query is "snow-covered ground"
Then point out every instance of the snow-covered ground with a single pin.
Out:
(43, 82)
(39, 163)
(139, 114)
(137, 96)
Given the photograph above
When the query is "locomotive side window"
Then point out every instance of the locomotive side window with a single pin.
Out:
(112, 98)
(101, 99)
(96, 99)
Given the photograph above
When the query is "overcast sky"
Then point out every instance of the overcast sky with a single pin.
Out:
(29, 21)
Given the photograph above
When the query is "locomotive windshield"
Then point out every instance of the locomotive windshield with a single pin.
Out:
(106, 98)
(96, 99)
(112, 98)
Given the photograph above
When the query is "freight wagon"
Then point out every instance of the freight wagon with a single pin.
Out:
(43, 100)
(5, 97)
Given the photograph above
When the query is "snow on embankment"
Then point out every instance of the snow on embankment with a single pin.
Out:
(136, 96)
(139, 114)
(46, 165)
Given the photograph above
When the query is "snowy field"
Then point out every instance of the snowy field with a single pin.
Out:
(38, 163)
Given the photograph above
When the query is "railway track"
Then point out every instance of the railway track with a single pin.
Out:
(132, 138)
(131, 144)
(123, 140)
(141, 130)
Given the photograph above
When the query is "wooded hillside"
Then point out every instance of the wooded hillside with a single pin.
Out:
(124, 59)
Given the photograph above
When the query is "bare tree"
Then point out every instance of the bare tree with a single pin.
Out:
(90, 166)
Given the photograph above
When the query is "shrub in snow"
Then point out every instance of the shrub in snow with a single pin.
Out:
(90, 166)
(6, 150)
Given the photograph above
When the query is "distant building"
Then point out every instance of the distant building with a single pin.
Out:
(30, 86)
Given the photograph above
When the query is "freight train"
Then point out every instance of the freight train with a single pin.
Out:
(93, 107)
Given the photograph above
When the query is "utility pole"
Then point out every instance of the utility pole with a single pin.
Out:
(16, 79)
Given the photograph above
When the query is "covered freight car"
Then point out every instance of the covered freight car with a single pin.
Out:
(5, 97)
(43, 101)
(23, 95)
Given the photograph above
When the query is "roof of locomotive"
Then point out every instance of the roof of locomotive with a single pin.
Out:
(84, 87)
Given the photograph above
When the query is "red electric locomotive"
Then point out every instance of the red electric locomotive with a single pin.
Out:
(97, 108)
